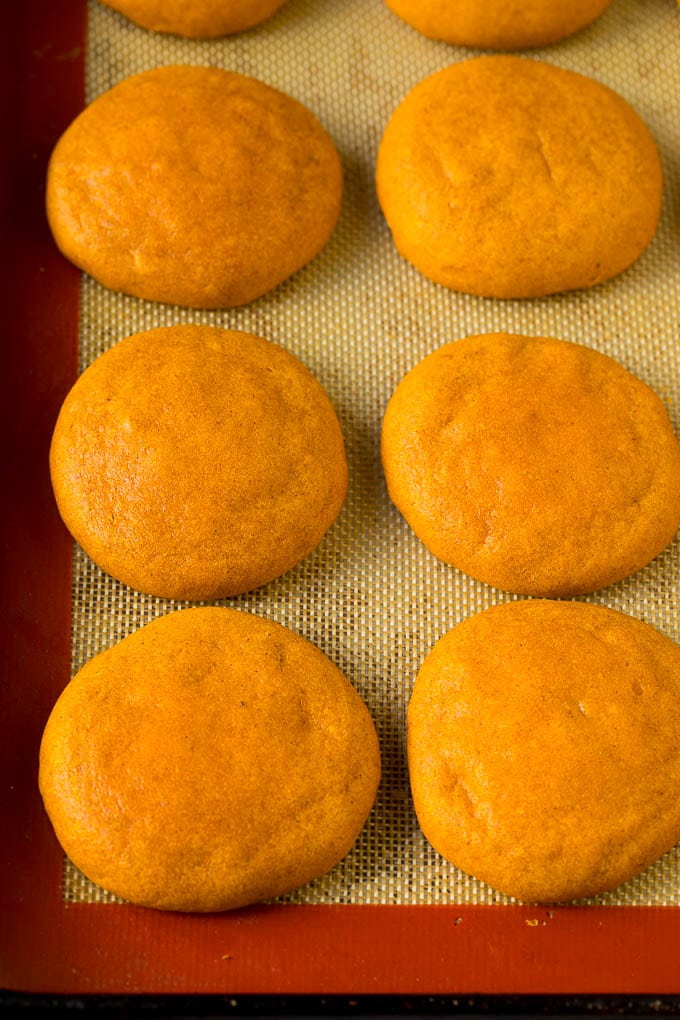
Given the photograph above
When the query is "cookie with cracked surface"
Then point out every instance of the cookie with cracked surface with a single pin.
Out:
(209, 760)
(193, 186)
(192, 462)
(537, 465)
(508, 177)
(542, 748)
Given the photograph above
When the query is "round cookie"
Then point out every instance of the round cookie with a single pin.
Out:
(498, 25)
(543, 749)
(200, 19)
(209, 760)
(536, 465)
(193, 186)
(192, 462)
(508, 177)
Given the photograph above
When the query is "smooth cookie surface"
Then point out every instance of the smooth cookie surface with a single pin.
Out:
(498, 24)
(536, 465)
(200, 19)
(543, 751)
(193, 462)
(209, 760)
(508, 177)
(193, 186)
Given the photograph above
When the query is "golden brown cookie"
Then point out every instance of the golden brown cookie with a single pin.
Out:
(209, 760)
(193, 186)
(543, 748)
(497, 24)
(198, 19)
(509, 178)
(194, 463)
(537, 465)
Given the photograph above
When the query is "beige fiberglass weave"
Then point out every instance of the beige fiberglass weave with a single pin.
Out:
(359, 316)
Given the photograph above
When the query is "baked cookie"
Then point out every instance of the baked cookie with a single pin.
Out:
(192, 462)
(209, 760)
(536, 465)
(510, 178)
(193, 186)
(199, 19)
(497, 24)
(543, 748)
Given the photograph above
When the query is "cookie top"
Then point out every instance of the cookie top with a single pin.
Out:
(536, 465)
(509, 178)
(209, 760)
(200, 19)
(193, 186)
(497, 24)
(543, 749)
(192, 462)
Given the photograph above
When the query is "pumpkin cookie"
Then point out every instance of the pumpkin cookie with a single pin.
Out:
(497, 24)
(543, 748)
(509, 178)
(536, 465)
(199, 19)
(193, 186)
(194, 463)
(207, 761)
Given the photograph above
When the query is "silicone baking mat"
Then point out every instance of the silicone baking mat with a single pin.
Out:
(371, 596)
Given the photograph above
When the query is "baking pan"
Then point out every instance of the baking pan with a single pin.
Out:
(393, 919)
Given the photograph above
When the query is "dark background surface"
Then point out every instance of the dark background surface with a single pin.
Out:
(263, 1007)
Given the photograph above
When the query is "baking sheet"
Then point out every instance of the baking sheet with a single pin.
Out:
(371, 596)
